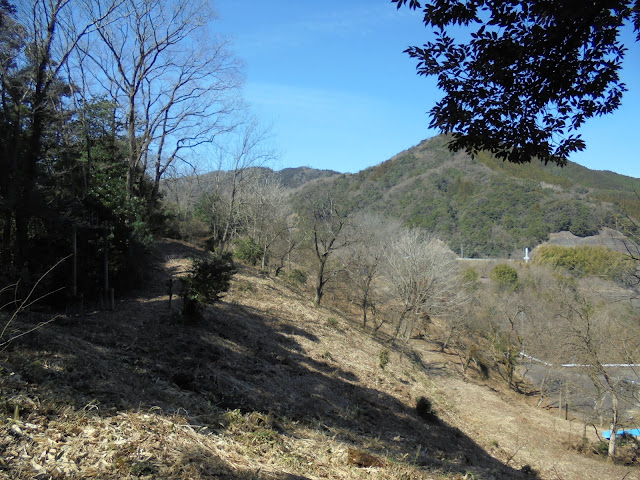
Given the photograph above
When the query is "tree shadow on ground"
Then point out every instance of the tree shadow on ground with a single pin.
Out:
(146, 356)
(233, 359)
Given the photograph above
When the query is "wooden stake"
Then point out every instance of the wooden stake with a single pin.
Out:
(75, 260)
(560, 405)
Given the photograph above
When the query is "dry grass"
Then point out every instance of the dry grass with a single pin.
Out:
(265, 387)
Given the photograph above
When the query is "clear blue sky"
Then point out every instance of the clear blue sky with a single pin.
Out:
(332, 79)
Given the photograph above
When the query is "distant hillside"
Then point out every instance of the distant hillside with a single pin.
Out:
(296, 177)
(186, 190)
(609, 238)
(482, 205)
(604, 185)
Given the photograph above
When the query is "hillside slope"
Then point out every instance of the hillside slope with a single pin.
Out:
(185, 191)
(265, 387)
(484, 206)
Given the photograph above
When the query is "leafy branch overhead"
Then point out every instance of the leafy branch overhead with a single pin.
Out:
(529, 75)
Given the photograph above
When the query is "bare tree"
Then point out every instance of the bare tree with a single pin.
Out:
(541, 345)
(249, 148)
(598, 336)
(364, 260)
(288, 242)
(176, 87)
(184, 200)
(425, 278)
(508, 313)
(267, 213)
(631, 240)
(330, 232)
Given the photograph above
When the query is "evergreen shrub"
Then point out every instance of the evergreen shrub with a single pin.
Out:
(208, 280)
(383, 358)
(504, 276)
(247, 250)
(296, 277)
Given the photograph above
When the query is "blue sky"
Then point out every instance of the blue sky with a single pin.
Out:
(332, 79)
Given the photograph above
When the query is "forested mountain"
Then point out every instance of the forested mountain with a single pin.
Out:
(192, 187)
(483, 205)
(296, 177)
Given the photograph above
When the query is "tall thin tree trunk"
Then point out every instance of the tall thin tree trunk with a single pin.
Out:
(614, 426)
(400, 322)
(232, 205)
(320, 282)
(365, 306)
(133, 160)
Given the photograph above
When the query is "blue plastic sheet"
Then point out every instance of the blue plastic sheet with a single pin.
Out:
(633, 431)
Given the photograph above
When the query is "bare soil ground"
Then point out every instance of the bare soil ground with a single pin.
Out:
(264, 387)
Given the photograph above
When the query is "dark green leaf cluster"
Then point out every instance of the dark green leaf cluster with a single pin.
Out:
(247, 250)
(504, 276)
(529, 76)
(207, 281)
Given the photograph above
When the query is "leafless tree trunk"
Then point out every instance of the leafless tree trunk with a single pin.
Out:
(599, 334)
(330, 232)
(508, 312)
(251, 150)
(176, 87)
(364, 259)
(289, 240)
(267, 213)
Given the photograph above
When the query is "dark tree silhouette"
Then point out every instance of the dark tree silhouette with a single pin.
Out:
(529, 75)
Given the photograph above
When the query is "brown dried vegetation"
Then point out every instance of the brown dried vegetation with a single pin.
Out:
(261, 388)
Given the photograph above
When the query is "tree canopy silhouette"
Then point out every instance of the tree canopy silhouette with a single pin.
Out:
(526, 75)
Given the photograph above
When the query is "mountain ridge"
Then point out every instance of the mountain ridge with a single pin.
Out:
(481, 204)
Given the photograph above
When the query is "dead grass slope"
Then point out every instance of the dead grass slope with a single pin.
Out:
(265, 387)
